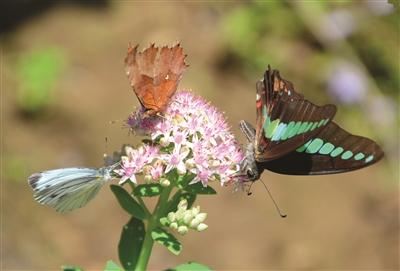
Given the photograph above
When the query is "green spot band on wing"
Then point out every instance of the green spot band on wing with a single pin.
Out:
(315, 124)
(315, 145)
(336, 151)
(318, 145)
(270, 129)
(308, 127)
(359, 156)
(369, 158)
(290, 126)
(279, 131)
(326, 148)
(302, 128)
(346, 155)
(293, 132)
(302, 148)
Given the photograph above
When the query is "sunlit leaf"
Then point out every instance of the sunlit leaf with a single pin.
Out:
(127, 202)
(198, 188)
(112, 266)
(71, 268)
(130, 243)
(190, 266)
(166, 239)
(148, 190)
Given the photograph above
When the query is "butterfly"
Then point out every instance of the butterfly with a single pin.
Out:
(66, 189)
(296, 137)
(154, 75)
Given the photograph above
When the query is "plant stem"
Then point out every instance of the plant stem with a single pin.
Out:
(148, 242)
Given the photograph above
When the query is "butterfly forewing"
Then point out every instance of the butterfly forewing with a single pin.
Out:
(285, 120)
(333, 150)
(154, 74)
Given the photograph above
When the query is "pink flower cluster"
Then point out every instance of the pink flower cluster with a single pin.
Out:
(192, 136)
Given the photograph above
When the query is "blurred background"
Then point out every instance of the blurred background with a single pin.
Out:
(63, 90)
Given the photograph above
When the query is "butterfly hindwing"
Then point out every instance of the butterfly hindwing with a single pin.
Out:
(154, 74)
(68, 188)
(333, 150)
(285, 120)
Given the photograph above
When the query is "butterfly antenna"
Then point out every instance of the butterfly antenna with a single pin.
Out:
(248, 190)
(105, 154)
(272, 198)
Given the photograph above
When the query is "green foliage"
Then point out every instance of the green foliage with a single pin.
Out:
(148, 190)
(127, 202)
(71, 268)
(130, 243)
(198, 188)
(37, 73)
(112, 266)
(166, 239)
(247, 30)
(190, 266)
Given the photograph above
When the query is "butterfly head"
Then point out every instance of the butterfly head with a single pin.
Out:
(249, 165)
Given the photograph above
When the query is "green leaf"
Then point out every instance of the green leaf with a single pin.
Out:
(184, 180)
(130, 243)
(148, 190)
(190, 266)
(173, 176)
(71, 268)
(166, 239)
(173, 205)
(198, 188)
(127, 202)
(112, 266)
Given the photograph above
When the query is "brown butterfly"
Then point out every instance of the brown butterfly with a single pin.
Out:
(154, 75)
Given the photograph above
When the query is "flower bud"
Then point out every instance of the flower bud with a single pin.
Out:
(146, 169)
(201, 217)
(179, 214)
(165, 182)
(182, 230)
(194, 223)
(215, 163)
(202, 227)
(195, 210)
(181, 170)
(190, 163)
(173, 225)
(164, 221)
(183, 204)
(187, 217)
(148, 178)
(171, 216)
(164, 141)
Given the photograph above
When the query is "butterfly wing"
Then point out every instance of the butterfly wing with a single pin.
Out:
(67, 189)
(333, 150)
(154, 74)
(285, 120)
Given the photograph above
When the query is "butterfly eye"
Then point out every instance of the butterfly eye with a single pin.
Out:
(250, 173)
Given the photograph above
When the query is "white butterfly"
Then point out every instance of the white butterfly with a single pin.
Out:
(67, 189)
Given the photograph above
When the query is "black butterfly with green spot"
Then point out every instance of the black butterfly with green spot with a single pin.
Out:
(296, 137)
